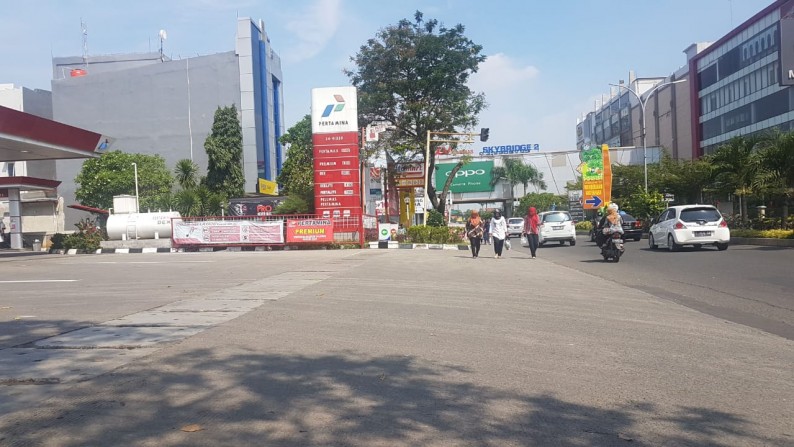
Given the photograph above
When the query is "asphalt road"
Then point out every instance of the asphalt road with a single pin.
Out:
(746, 284)
(368, 348)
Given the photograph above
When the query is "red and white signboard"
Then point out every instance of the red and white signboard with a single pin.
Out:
(226, 232)
(337, 180)
(310, 230)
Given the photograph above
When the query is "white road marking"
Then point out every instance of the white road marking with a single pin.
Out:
(39, 280)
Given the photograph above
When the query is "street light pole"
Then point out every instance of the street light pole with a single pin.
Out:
(642, 107)
(137, 203)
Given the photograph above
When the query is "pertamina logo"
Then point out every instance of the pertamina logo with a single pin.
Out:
(337, 107)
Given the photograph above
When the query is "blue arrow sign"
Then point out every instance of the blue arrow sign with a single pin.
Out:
(595, 201)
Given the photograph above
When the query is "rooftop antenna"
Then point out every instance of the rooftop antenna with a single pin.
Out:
(84, 30)
(163, 36)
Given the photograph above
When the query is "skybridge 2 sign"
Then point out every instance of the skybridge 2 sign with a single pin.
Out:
(510, 149)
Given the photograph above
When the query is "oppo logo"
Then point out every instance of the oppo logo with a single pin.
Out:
(468, 172)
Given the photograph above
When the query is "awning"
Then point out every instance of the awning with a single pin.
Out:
(29, 137)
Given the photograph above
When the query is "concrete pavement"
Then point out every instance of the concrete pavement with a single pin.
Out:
(404, 347)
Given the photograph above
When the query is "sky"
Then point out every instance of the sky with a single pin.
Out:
(547, 61)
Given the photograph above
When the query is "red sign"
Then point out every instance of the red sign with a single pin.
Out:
(336, 163)
(310, 230)
(333, 139)
(337, 187)
(336, 151)
(335, 175)
(338, 201)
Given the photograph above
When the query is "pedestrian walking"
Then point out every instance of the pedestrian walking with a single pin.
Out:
(531, 228)
(486, 235)
(474, 231)
(498, 230)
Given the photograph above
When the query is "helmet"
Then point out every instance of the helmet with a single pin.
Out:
(613, 206)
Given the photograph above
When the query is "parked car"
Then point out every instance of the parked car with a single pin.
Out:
(515, 226)
(556, 226)
(695, 225)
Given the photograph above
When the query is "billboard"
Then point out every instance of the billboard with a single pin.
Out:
(224, 232)
(254, 206)
(787, 51)
(310, 230)
(472, 177)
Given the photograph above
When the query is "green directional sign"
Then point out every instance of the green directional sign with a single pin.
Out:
(472, 177)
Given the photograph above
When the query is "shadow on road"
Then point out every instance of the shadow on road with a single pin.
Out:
(344, 399)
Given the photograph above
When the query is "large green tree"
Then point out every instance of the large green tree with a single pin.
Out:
(224, 147)
(686, 179)
(414, 75)
(297, 173)
(113, 174)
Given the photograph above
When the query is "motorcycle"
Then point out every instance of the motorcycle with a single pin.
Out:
(612, 248)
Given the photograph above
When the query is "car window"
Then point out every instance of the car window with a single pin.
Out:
(663, 216)
(706, 214)
(515, 221)
(626, 217)
(556, 217)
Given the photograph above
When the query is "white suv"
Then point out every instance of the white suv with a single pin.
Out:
(515, 226)
(695, 225)
(556, 226)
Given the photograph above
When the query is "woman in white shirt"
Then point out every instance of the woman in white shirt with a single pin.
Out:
(498, 230)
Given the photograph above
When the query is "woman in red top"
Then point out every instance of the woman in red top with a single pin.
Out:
(531, 228)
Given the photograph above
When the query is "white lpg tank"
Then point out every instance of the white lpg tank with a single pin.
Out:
(140, 225)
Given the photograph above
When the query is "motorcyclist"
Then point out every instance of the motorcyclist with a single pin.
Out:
(610, 224)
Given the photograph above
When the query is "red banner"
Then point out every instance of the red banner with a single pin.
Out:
(337, 180)
(310, 230)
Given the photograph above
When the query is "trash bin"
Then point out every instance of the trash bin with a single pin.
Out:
(36, 245)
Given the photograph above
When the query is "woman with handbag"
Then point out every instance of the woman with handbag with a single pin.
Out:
(498, 232)
(531, 227)
(474, 230)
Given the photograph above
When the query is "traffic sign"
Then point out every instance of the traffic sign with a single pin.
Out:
(596, 173)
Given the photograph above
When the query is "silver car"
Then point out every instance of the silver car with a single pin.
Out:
(556, 226)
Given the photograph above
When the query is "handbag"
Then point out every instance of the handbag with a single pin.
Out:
(524, 240)
(507, 244)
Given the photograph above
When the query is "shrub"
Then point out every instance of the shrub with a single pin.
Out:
(57, 240)
(766, 234)
(584, 226)
(435, 219)
(87, 237)
(421, 234)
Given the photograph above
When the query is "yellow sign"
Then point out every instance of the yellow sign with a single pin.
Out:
(268, 187)
(410, 183)
(596, 173)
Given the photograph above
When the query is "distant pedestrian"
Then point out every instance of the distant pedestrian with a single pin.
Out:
(486, 234)
(498, 229)
(474, 231)
(531, 229)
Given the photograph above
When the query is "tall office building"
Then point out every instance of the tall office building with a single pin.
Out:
(742, 84)
(152, 104)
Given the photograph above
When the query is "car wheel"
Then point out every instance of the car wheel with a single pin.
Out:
(652, 243)
(721, 246)
(637, 238)
(592, 236)
(573, 242)
(671, 245)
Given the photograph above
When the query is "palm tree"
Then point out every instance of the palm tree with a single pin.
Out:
(777, 159)
(186, 172)
(516, 172)
(737, 168)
